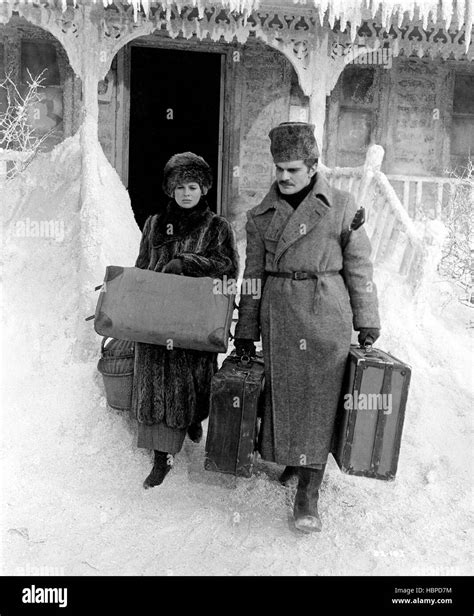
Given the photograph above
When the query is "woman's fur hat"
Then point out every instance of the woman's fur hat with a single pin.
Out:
(186, 167)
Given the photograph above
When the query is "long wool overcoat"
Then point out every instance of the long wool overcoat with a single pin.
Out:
(173, 386)
(306, 325)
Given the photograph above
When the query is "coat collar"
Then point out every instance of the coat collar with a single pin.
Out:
(181, 222)
(321, 188)
(288, 225)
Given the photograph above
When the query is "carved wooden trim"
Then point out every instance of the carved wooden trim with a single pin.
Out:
(295, 31)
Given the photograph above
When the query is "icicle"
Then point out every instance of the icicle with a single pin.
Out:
(447, 12)
(374, 5)
(145, 6)
(323, 9)
(460, 12)
(468, 25)
(399, 18)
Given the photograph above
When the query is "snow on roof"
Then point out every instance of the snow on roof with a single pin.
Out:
(347, 12)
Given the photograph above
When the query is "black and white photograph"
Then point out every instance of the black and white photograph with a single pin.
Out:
(237, 294)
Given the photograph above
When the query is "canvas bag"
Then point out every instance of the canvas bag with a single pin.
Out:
(164, 309)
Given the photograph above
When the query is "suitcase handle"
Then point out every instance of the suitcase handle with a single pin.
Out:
(246, 360)
(368, 347)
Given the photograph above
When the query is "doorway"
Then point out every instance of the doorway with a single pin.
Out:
(175, 106)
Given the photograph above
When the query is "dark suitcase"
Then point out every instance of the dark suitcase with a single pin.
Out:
(232, 432)
(369, 421)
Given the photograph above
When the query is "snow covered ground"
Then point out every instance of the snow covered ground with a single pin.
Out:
(72, 496)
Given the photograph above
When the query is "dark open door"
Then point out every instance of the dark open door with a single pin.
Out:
(175, 106)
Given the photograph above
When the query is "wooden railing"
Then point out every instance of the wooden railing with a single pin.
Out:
(423, 195)
(396, 241)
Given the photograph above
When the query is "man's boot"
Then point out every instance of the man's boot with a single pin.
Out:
(161, 467)
(305, 510)
(288, 473)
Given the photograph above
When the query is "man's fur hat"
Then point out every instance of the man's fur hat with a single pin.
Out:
(293, 141)
(183, 168)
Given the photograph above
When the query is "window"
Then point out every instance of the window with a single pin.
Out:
(37, 57)
(462, 126)
(47, 114)
(356, 115)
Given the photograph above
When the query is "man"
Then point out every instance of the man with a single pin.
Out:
(316, 277)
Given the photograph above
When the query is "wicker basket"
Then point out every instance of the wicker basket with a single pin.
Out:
(116, 366)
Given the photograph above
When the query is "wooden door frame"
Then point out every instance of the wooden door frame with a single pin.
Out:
(223, 180)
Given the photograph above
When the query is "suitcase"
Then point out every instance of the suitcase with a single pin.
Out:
(236, 395)
(164, 309)
(369, 422)
(116, 366)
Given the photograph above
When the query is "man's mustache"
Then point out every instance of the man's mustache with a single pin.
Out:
(286, 183)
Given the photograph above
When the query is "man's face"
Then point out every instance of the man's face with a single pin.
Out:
(293, 176)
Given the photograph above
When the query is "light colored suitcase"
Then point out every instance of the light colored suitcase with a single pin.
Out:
(368, 429)
(164, 309)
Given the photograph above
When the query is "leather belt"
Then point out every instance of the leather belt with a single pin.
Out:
(303, 275)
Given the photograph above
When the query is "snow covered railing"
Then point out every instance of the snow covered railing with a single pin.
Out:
(430, 193)
(396, 241)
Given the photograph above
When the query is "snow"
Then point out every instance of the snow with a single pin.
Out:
(72, 476)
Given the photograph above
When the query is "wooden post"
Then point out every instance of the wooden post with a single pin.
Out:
(439, 201)
(419, 197)
(373, 163)
(406, 195)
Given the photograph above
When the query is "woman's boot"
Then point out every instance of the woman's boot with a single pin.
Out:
(305, 510)
(161, 467)
(195, 432)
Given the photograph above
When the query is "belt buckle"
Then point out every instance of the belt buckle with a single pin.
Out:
(300, 275)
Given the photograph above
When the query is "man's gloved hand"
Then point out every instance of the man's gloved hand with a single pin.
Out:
(243, 346)
(368, 335)
(175, 266)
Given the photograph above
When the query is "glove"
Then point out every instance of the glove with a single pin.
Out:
(368, 335)
(244, 346)
(175, 266)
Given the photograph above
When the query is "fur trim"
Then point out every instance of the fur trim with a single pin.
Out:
(186, 167)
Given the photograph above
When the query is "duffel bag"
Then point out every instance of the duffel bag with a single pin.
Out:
(164, 309)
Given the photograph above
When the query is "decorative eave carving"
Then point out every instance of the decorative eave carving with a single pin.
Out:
(305, 35)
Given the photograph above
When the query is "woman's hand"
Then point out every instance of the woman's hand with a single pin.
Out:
(175, 266)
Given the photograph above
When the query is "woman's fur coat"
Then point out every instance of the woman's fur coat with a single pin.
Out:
(173, 386)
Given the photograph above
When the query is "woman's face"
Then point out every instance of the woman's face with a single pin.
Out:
(187, 195)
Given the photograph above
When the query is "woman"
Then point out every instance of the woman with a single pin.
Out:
(171, 387)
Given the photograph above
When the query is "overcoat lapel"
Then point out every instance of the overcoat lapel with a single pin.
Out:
(283, 212)
(308, 214)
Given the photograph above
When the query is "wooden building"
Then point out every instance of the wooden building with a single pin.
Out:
(155, 79)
